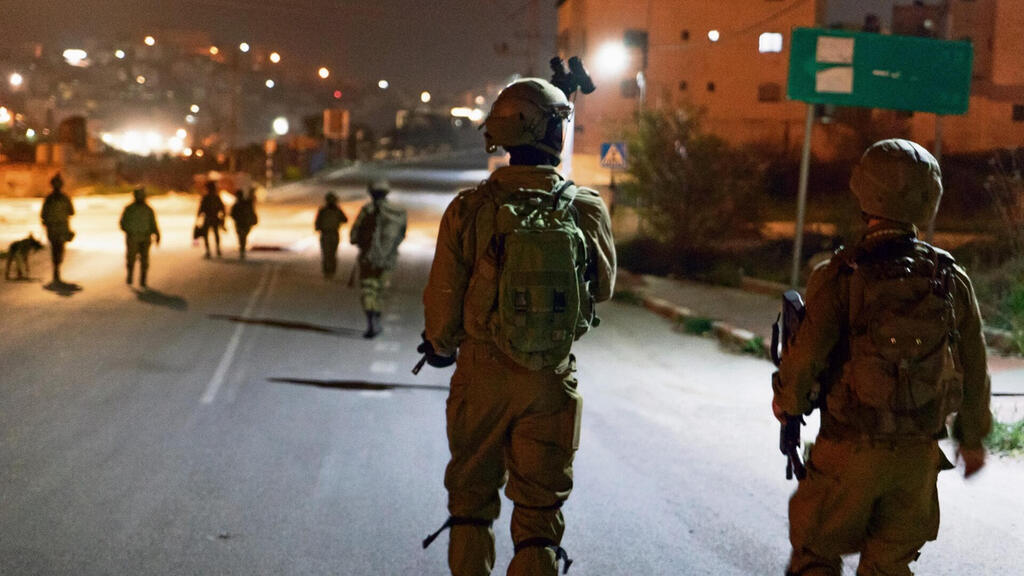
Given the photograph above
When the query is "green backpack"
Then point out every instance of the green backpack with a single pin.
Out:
(537, 263)
(904, 369)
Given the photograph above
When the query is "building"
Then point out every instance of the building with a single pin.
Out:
(731, 58)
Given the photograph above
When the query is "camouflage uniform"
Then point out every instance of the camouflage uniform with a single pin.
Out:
(243, 212)
(377, 231)
(868, 491)
(56, 214)
(139, 224)
(506, 423)
(329, 219)
(211, 208)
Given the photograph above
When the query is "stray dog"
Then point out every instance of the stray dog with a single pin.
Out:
(18, 255)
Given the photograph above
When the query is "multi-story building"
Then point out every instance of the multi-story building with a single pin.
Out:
(730, 58)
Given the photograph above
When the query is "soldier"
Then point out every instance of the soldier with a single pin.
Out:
(377, 231)
(56, 213)
(139, 224)
(890, 345)
(211, 209)
(328, 222)
(514, 413)
(243, 212)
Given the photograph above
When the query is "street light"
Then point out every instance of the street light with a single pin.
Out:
(280, 126)
(150, 41)
(275, 57)
(244, 47)
(17, 80)
(119, 54)
(323, 72)
(383, 84)
(140, 79)
(194, 108)
(214, 50)
(612, 59)
(425, 97)
(269, 83)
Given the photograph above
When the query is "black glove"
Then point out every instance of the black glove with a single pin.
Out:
(433, 358)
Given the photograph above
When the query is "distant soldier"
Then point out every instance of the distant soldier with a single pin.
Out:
(243, 212)
(890, 345)
(211, 210)
(56, 215)
(139, 224)
(378, 230)
(328, 222)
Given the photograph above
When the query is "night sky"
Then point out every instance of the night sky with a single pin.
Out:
(444, 46)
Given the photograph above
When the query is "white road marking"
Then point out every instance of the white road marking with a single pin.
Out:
(387, 346)
(229, 355)
(380, 367)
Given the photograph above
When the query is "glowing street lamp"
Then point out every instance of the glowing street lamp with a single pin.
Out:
(140, 79)
(194, 108)
(214, 50)
(75, 56)
(323, 72)
(612, 59)
(269, 83)
(30, 133)
(383, 84)
(17, 80)
(280, 126)
(5, 115)
(425, 97)
(119, 54)
(275, 57)
(150, 41)
(181, 134)
(244, 47)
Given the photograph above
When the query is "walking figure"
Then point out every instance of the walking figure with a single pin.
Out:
(377, 231)
(328, 222)
(139, 224)
(211, 213)
(56, 216)
(243, 212)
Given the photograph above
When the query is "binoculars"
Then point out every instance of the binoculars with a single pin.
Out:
(576, 77)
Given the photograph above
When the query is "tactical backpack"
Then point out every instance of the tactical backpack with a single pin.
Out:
(531, 280)
(904, 374)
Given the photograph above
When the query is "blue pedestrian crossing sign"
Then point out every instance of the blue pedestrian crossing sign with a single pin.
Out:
(613, 155)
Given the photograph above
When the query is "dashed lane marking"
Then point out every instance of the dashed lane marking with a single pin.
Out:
(380, 367)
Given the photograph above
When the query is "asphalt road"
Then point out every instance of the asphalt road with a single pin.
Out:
(232, 420)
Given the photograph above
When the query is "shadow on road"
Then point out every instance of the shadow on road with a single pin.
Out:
(158, 298)
(292, 325)
(358, 385)
(64, 289)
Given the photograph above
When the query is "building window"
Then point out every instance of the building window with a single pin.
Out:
(629, 89)
(769, 42)
(769, 92)
(683, 85)
(711, 86)
(1018, 112)
(685, 35)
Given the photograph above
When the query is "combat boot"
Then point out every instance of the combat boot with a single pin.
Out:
(372, 324)
(142, 278)
(128, 278)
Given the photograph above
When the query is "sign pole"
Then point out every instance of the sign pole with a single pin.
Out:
(801, 197)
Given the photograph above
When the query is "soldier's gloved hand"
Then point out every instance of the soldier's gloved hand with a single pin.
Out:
(433, 358)
(974, 460)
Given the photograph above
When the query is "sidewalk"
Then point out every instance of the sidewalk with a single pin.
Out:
(742, 320)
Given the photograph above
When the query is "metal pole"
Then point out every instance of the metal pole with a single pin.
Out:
(947, 32)
(801, 197)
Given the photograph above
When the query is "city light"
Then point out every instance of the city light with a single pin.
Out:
(244, 46)
(769, 42)
(150, 41)
(190, 119)
(17, 80)
(181, 133)
(187, 152)
(76, 57)
(425, 97)
(280, 126)
(337, 94)
(194, 108)
(214, 50)
(119, 54)
(713, 35)
(474, 114)
(383, 84)
(269, 83)
(30, 133)
(199, 153)
(323, 72)
(144, 142)
(612, 59)
(479, 100)
(5, 115)
(140, 79)
(275, 57)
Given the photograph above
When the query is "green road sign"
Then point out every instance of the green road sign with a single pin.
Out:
(879, 71)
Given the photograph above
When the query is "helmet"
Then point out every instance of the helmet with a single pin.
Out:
(139, 193)
(378, 188)
(56, 181)
(899, 180)
(521, 113)
(330, 197)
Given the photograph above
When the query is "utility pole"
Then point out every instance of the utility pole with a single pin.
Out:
(947, 33)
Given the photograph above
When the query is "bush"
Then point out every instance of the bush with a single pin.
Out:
(1006, 437)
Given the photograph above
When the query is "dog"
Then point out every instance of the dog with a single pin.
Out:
(18, 256)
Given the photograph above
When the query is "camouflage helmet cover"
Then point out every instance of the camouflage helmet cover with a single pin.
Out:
(899, 180)
(520, 115)
(139, 193)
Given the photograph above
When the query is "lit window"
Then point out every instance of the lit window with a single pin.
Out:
(769, 42)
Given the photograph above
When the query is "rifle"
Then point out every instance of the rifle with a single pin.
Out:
(783, 332)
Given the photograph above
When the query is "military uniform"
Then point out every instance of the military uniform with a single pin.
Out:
(211, 208)
(506, 422)
(243, 212)
(329, 219)
(378, 230)
(871, 477)
(138, 221)
(56, 215)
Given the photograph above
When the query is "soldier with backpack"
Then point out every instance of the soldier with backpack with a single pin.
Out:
(243, 212)
(520, 261)
(377, 231)
(138, 221)
(890, 345)
(329, 219)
